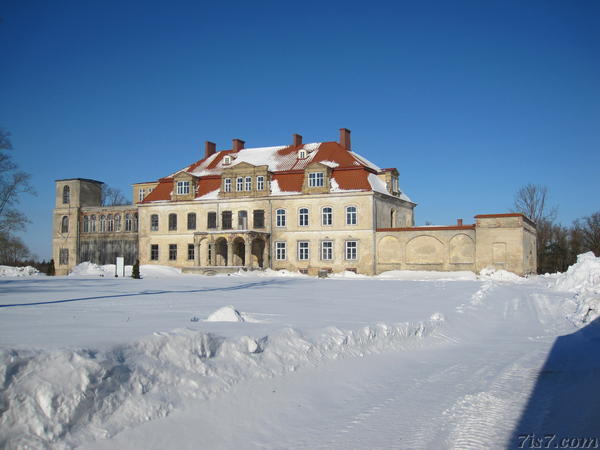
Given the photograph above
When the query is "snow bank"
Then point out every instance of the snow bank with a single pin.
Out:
(71, 396)
(26, 271)
(420, 275)
(489, 273)
(225, 314)
(583, 279)
(88, 269)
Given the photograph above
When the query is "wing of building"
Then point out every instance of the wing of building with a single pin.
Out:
(314, 208)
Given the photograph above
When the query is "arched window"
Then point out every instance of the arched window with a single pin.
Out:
(327, 215)
(154, 222)
(93, 223)
(303, 217)
(172, 222)
(102, 224)
(393, 218)
(66, 195)
(111, 223)
(127, 222)
(117, 222)
(351, 216)
(191, 221)
(64, 225)
(86, 224)
(280, 218)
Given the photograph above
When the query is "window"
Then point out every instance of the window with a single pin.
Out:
(135, 222)
(127, 222)
(280, 218)
(93, 223)
(63, 256)
(393, 218)
(227, 185)
(66, 195)
(191, 225)
(183, 187)
(303, 250)
(154, 252)
(303, 217)
(111, 223)
(259, 218)
(172, 252)
(226, 220)
(86, 224)
(211, 220)
(117, 222)
(64, 225)
(248, 183)
(242, 220)
(280, 250)
(239, 184)
(327, 216)
(395, 186)
(351, 215)
(316, 179)
(260, 183)
(227, 160)
(154, 222)
(327, 250)
(102, 224)
(302, 154)
(141, 194)
(191, 252)
(351, 250)
(172, 222)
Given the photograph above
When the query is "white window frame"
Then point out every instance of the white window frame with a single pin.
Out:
(248, 183)
(302, 154)
(351, 252)
(183, 187)
(280, 218)
(152, 226)
(260, 183)
(280, 250)
(350, 215)
(316, 179)
(329, 214)
(302, 216)
(141, 194)
(239, 184)
(327, 250)
(227, 160)
(227, 185)
(303, 250)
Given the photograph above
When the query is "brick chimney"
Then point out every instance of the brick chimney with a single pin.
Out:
(209, 148)
(459, 222)
(238, 144)
(297, 139)
(345, 138)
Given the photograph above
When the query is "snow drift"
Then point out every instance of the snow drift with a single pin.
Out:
(26, 271)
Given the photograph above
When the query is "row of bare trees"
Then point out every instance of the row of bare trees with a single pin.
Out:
(557, 245)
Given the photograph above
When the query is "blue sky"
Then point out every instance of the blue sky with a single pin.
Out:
(468, 99)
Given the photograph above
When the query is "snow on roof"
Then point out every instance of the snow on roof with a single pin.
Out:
(331, 164)
(335, 187)
(276, 190)
(377, 184)
(366, 162)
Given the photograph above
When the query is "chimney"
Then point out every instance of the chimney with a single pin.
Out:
(459, 222)
(345, 138)
(209, 148)
(238, 144)
(297, 139)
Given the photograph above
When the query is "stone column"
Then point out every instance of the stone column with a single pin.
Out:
(230, 253)
(248, 256)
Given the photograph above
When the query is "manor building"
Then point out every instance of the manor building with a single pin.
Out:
(314, 208)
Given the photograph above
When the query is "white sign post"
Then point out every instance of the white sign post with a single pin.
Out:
(120, 268)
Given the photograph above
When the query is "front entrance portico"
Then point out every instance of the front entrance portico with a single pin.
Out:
(243, 249)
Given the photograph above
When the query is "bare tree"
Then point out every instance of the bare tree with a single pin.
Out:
(531, 200)
(589, 230)
(112, 197)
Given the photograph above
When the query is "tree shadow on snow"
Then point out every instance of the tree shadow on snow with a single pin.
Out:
(236, 287)
(565, 402)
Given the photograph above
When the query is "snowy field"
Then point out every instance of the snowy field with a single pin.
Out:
(281, 360)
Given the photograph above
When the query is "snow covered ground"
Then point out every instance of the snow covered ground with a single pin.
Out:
(271, 360)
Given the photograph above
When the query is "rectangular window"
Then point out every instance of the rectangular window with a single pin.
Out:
(316, 179)
(327, 215)
(154, 252)
(141, 194)
(226, 220)
(172, 252)
(280, 250)
(191, 252)
(154, 222)
(259, 218)
(63, 256)
(242, 220)
(303, 253)
(211, 220)
(227, 185)
(191, 225)
(280, 218)
(172, 222)
(239, 184)
(248, 183)
(183, 187)
(260, 183)
(351, 215)
(303, 217)
(327, 250)
(351, 250)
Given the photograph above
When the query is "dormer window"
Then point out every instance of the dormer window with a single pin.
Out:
(302, 154)
(316, 179)
(395, 187)
(227, 160)
(183, 187)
